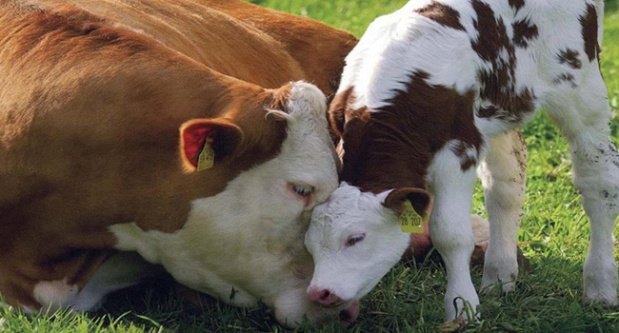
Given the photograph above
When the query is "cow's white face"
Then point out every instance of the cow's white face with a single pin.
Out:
(354, 240)
(307, 161)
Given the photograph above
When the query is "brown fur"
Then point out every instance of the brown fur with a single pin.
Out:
(491, 42)
(590, 33)
(400, 141)
(91, 101)
(442, 14)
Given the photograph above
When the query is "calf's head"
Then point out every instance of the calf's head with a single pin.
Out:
(355, 238)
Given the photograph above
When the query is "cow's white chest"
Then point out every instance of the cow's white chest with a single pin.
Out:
(247, 241)
(229, 248)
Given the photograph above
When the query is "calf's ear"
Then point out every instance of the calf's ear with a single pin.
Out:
(204, 142)
(337, 120)
(420, 200)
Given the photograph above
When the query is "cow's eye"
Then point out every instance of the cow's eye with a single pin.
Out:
(354, 239)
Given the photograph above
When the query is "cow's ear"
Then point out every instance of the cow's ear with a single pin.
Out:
(419, 199)
(204, 142)
(277, 106)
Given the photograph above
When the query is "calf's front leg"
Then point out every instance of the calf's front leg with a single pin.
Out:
(451, 230)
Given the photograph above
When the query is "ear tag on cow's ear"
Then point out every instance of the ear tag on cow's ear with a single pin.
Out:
(410, 221)
(206, 159)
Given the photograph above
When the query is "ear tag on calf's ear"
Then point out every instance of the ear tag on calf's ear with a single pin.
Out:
(206, 159)
(410, 221)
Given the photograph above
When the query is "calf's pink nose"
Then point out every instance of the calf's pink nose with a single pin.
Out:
(323, 296)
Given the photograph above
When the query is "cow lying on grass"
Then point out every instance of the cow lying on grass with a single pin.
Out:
(160, 127)
(427, 94)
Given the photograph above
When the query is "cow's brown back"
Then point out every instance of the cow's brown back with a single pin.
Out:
(225, 33)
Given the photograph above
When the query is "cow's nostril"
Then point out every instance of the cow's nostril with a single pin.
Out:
(324, 294)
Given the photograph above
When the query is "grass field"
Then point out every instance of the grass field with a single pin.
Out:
(554, 236)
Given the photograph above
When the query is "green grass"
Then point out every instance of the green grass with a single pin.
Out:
(353, 15)
(554, 236)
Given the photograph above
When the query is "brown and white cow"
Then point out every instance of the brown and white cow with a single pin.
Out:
(427, 93)
(160, 127)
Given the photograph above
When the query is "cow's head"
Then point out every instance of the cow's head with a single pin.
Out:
(255, 225)
(280, 135)
(355, 238)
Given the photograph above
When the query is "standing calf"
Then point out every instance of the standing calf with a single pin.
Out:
(427, 94)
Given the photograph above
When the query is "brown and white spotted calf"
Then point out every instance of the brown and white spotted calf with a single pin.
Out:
(427, 94)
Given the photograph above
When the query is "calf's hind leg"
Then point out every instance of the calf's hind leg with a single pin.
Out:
(503, 176)
(584, 115)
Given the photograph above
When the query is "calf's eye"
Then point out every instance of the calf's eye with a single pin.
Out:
(354, 239)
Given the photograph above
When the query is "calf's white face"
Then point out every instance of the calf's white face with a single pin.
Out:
(355, 238)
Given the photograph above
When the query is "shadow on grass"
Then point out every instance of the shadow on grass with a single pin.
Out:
(161, 304)
(408, 299)
(548, 299)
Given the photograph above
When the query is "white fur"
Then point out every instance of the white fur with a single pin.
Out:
(247, 238)
(398, 45)
(451, 230)
(53, 295)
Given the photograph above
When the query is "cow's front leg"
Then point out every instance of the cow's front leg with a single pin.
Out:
(503, 176)
(450, 229)
(122, 270)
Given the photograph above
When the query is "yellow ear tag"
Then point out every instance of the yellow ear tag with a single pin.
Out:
(206, 159)
(410, 221)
